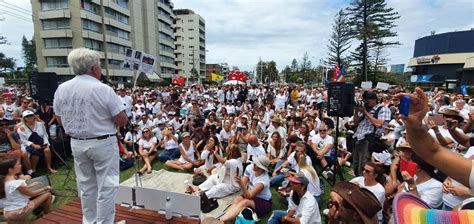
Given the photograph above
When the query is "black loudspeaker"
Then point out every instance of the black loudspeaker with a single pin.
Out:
(43, 85)
(341, 99)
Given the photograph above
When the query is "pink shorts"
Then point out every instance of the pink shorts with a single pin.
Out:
(21, 213)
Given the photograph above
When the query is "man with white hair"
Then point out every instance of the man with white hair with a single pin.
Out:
(89, 111)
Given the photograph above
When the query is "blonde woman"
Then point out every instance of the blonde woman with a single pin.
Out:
(314, 185)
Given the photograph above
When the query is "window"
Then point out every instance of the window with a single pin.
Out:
(60, 62)
(120, 33)
(90, 7)
(122, 3)
(57, 43)
(166, 59)
(117, 15)
(114, 62)
(191, 20)
(90, 25)
(53, 24)
(166, 48)
(166, 37)
(191, 46)
(93, 44)
(191, 29)
(54, 4)
(191, 38)
(115, 48)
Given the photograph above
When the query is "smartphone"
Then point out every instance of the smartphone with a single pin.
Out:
(405, 105)
(408, 166)
(239, 128)
(449, 123)
(237, 172)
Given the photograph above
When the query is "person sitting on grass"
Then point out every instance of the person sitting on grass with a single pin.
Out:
(255, 187)
(147, 149)
(10, 146)
(170, 145)
(302, 206)
(207, 155)
(18, 203)
(290, 163)
(34, 137)
(222, 183)
(189, 155)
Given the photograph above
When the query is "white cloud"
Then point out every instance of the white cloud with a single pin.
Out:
(241, 31)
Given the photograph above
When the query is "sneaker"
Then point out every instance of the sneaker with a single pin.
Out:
(330, 174)
(326, 212)
(347, 163)
(121, 222)
(325, 174)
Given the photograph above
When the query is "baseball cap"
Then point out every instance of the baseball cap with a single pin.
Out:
(27, 113)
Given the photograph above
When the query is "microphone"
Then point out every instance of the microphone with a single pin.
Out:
(104, 80)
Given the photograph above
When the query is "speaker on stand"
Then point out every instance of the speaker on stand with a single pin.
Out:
(340, 104)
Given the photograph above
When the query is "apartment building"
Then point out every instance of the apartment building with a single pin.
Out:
(190, 51)
(152, 32)
(62, 25)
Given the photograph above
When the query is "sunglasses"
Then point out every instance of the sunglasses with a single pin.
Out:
(146, 131)
(322, 130)
(367, 171)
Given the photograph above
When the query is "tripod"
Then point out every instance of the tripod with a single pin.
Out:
(69, 177)
(337, 170)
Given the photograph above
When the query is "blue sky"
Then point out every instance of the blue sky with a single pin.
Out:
(241, 31)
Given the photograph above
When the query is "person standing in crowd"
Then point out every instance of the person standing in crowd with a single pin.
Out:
(372, 116)
(127, 102)
(9, 107)
(89, 111)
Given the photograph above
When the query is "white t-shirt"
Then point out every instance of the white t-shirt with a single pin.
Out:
(307, 211)
(254, 180)
(224, 135)
(15, 199)
(129, 137)
(378, 190)
(294, 164)
(321, 143)
(171, 143)
(314, 186)
(430, 191)
(231, 166)
(208, 158)
(147, 124)
(189, 152)
(448, 198)
(255, 151)
(127, 103)
(9, 110)
(147, 144)
(86, 107)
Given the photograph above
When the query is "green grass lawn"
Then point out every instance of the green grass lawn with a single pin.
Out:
(66, 189)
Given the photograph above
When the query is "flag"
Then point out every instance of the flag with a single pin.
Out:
(336, 72)
(341, 76)
(216, 77)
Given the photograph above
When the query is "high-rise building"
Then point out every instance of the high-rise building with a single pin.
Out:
(152, 32)
(398, 68)
(190, 33)
(62, 25)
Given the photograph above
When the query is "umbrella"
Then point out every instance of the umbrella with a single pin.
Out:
(234, 82)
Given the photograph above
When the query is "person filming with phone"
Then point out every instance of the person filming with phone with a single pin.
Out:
(370, 117)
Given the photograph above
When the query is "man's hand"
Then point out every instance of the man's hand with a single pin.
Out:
(418, 107)
(460, 191)
(432, 125)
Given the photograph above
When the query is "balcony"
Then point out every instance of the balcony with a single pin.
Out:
(92, 35)
(167, 42)
(117, 24)
(167, 65)
(59, 71)
(165, 19)
(167, 53)
(166, 30)
(117, 40)
(53, 14)
(51, 52)
(166, 8)
(116, 7)
(56, 33)
(91, 16)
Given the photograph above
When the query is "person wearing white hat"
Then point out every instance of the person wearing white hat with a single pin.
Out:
(255, 187)
(34, 138)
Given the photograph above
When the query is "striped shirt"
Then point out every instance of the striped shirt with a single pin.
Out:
(366, 127)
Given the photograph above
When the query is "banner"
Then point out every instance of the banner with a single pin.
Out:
(147, 63)
(366, 85)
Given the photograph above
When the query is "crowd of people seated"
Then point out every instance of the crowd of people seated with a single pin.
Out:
(247, 140)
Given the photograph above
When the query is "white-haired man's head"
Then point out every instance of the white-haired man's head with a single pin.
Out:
(84, 61)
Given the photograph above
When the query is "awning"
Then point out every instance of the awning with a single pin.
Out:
(154, 77)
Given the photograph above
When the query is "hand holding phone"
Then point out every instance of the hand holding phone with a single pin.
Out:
(405, 105)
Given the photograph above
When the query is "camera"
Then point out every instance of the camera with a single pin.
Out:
(359, 103)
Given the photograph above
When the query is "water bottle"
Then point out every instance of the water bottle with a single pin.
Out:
(53, 131)
(168, 212)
